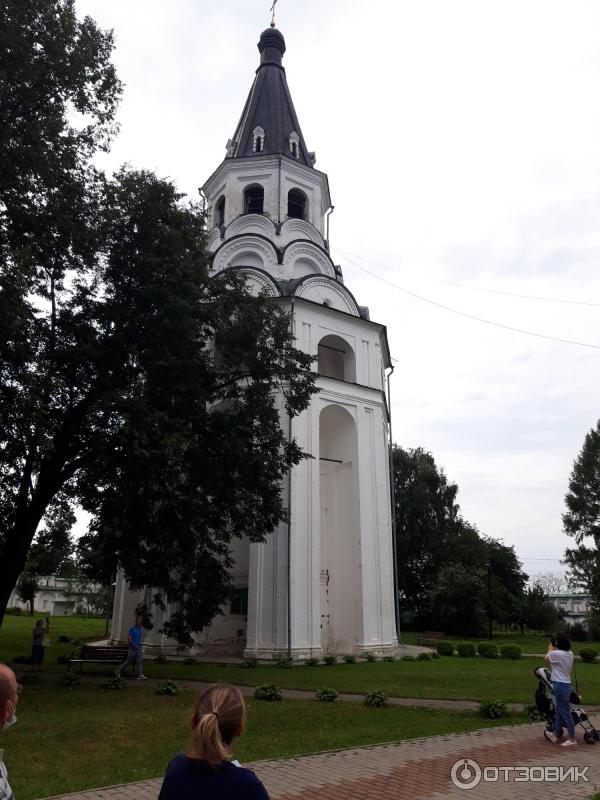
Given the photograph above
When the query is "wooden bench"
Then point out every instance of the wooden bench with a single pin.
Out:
(97, 654)
(430, 638)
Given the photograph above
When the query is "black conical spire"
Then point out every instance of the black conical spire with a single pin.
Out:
(269, 107)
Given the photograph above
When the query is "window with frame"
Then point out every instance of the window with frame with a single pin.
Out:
(238, 605)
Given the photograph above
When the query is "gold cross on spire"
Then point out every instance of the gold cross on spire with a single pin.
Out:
(272, 9)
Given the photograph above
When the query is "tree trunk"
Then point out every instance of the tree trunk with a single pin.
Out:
(32, 606)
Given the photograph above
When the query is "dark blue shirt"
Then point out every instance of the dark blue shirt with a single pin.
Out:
(191, 779)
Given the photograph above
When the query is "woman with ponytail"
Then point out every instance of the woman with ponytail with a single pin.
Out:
(207, 771)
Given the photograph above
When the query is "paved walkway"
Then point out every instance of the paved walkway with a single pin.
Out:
(417, 769)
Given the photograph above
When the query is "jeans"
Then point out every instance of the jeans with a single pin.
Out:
(562, 709)
(133, 657)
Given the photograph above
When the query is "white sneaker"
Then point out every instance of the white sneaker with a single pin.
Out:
(551, 737)
(141, 678)
(569, 743)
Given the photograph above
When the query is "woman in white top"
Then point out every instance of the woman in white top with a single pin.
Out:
(560, 658)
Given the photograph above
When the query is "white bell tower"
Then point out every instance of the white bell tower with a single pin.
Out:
(323, 582)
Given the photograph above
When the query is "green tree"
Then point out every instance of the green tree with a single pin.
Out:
(443, 559)
(582, 518)
(27, 588)
(133, 383)
(540, 613)
(426, 513)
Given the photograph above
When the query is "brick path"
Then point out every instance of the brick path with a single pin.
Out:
(417, 769)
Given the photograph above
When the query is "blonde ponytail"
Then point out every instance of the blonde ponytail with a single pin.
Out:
(219, 716)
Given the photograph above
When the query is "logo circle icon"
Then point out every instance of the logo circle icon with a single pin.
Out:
(465, 774)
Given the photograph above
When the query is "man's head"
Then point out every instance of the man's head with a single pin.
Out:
(139, 621)
(9, 694)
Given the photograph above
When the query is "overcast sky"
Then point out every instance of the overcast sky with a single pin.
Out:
(462, 144)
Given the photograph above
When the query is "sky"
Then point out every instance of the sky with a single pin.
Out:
(461, 140)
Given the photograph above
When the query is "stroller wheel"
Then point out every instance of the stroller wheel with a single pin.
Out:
(589, 738)
(596, 735)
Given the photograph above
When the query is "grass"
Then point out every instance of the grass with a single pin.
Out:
(530, 643)
(15, 634)
(72, 739)
(447, 678)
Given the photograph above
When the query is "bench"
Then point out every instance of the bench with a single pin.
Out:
(97, 654)
(430, 638)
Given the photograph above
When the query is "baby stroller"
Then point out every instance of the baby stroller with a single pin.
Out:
(544, 700)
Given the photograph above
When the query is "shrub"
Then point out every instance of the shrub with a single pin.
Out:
(511, 651)
(588, 654)
(534, 713)
(424, 656)
(312, 662)
(30, 677)
(329, 661)
(487, 650)
(577, 632)
(493, 709)
(389, 659)
(434, 654)
(69, 680)
(284, 663)
(63, 660)
(466, 650)
(376, 699)
(21, 659)
(160, 660)
(190, 661)
(113, 684)
(326, 695)
(445, 648)
(168, 688)
(14, 610)
(408, 658)
(64, 639)
(371, 657)
(250, 663)
(267, 692)
(350, 659)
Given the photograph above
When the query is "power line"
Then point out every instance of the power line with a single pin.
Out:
(474, 288)
(472, 316)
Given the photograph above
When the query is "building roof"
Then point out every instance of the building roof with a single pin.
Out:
(270, 107)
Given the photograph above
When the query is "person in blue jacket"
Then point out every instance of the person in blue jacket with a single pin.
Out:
(207, 770)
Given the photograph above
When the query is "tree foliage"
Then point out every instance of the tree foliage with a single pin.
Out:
(132, 383)
(443, 560)
(581, 520)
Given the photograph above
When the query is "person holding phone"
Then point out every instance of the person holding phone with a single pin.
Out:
(560, 657)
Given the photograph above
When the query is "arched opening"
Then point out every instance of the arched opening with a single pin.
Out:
(220, 212)
(297, 204)
(336, 359)
(294, 144)
(258, 140)
(254, 199)
(341, 594)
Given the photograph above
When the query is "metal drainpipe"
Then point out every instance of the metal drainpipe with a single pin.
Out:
(289, 524)
(279, 194)
(393, 501)
(328, 213)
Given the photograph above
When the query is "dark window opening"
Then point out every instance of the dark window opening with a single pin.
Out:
(220, 213)
(297, 204)
(239, 602)
(295, 149)
(254, 199)
(259, 144)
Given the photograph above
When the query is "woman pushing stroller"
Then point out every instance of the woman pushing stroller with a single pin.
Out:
(560, 657)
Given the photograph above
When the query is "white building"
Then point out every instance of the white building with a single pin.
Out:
(574, 607)
(54, 596)
(324, 583)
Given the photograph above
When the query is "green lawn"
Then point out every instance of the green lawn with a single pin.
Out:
(15, 634)
(69, 739)
(529, 642)
(450, 678)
